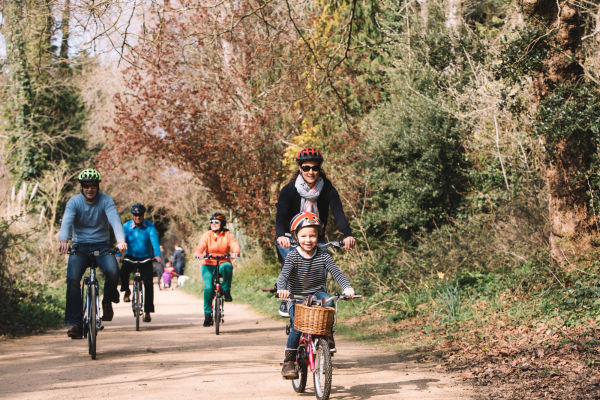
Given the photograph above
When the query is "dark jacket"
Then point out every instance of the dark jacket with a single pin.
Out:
(179, 259)
(288, 205)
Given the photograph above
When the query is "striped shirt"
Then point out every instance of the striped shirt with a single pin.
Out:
(306, 276)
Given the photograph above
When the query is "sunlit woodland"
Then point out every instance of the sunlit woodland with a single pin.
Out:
(462, 136)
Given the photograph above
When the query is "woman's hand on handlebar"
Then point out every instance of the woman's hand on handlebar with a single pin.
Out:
(349, 242)
(283, 294)
(200, 256)
(158, 259)
(235, 255)
(349, 292)
(284, 242)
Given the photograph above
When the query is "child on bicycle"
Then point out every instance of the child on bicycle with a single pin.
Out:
(304, 273)
(217, 241)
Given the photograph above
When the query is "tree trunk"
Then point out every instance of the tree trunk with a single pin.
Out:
(569, 213)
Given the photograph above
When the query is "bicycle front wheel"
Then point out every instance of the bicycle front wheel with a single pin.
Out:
(137, 305)
(91, 320)
(217, 316)
(323, 370)
(299, 384)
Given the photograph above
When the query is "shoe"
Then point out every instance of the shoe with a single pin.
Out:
(288, 371)
(331, 341)
(283, 309)
(147, 317)
(126, 298)
(75, 332)
(208, 320)
(227, 295)
(107, 311)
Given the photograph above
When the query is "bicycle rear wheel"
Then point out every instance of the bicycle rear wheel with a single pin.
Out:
(323, 370)
(91, 320)
(137, 304)
(299, 384)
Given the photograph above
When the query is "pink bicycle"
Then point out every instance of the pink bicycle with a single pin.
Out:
(315, 321)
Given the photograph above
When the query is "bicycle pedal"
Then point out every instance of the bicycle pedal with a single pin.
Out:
(101, 327)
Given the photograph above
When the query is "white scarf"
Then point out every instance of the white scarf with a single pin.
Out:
(309, 195)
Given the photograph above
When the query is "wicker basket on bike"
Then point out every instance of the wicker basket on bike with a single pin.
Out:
(314, 319)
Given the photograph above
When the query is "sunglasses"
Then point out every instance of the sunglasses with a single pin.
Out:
(89, 185)
(307, 168)
(138, 215)
(215, 221)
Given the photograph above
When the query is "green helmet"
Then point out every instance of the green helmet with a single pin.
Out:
(89, 175)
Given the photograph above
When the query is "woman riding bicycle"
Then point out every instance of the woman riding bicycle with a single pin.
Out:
(217, 241)
(311, 191)
(304, 273)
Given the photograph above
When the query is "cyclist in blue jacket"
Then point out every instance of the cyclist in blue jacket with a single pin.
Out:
(142, 243)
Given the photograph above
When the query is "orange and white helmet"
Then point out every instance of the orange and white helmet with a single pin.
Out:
(304, 219)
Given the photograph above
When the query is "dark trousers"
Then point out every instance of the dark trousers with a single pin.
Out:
(76, 266)
(146, 270)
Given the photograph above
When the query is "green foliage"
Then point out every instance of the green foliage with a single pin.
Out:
(25, 306)
(416, 166)
(524, 54)
(572, 112)
(42, 106)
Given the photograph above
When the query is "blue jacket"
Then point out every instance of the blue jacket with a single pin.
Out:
(142, 242)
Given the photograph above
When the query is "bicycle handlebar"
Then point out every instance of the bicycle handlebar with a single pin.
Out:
(327, 300)
(338, 244)
(137, 261)
(95, 253)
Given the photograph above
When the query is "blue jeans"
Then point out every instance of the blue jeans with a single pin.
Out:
(76, 266)
(294, 336)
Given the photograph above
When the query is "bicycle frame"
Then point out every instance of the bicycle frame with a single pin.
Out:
(217, 298)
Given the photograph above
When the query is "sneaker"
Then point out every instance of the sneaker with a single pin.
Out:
(147, 317)
(75, 332)
(283, 309)
(126, 298)
(208, 320)
(107, 311)
(227, 295)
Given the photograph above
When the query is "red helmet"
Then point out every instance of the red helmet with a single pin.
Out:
(304, 219)
(309, 154)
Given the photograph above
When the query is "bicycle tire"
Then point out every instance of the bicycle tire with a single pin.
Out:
(323, 370)
(136, 307)
(299, 384)
(217, 317)
(92, 324)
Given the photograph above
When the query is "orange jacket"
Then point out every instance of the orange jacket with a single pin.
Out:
(217, 244)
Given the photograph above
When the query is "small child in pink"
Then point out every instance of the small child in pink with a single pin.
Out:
(167, 275)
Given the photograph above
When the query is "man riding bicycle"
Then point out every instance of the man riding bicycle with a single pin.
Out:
(88, 215)
(142, 244)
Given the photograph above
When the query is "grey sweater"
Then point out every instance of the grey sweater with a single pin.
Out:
(90, 222)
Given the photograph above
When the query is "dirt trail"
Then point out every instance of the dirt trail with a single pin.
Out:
(175, 358)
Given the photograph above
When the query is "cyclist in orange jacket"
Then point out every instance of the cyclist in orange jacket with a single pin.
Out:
(217, 241)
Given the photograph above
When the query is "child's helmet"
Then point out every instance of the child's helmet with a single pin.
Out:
(89, 175)
(304, 219)
(309, 154)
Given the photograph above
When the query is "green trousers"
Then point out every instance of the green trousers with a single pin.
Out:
(208, 271)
